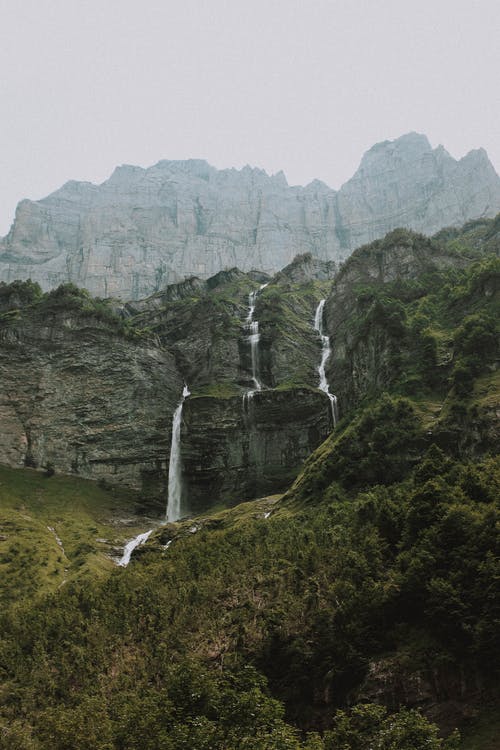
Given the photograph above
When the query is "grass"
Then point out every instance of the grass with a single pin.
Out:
(217, 390)
(224, 518)
(429, 409)
(55, 529)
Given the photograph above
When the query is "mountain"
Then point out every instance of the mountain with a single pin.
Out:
(143, 229)
(91, 386)
(357, 609)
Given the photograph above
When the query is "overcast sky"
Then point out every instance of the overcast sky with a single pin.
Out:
(301, 85)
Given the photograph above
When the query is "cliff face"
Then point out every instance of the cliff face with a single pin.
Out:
(366, 338)
(91, 402)
(145, 228)
(91, 387)
(236, 446)
(235, 449)
(406, 183)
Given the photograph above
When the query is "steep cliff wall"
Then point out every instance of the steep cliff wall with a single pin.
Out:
(91, 387)
(79, 395)
(236, 446)
(236, 449)
(145, 228)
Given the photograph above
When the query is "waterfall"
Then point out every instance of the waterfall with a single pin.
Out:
(175, 467)
(325, 353)
(130, 547)
(252, 327)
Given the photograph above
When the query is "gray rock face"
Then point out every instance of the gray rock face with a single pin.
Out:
(406, 183)
(145, 228)
(92, 403)
(235, 450)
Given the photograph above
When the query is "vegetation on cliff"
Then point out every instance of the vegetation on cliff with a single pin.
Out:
(430, 333)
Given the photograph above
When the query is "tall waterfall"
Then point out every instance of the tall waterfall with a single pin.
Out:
(325, 353)
(252, 327)
(175, 465)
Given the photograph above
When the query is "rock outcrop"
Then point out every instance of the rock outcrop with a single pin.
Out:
(75, 394)
(396, 316)
(146, 228)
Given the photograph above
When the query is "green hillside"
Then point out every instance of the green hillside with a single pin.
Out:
(57, 529)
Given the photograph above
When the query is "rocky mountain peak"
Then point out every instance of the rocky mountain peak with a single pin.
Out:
(126, 173)
(407, 148)
(143, 229)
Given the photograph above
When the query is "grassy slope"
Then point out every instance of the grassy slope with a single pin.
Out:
(91, 524)
(483, 732)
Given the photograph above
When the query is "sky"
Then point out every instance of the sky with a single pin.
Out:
(303, 86)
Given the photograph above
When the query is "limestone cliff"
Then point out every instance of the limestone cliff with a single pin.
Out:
(146, 228)
(406, 183)
(91, 386)
(77, 393)
(244, 449)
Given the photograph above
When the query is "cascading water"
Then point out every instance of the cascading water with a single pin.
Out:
(130, 547)
(325, 353)
(175, 467)
(252, 327)
(254, 337)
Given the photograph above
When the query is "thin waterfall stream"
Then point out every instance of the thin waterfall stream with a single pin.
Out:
(174, 500)
(325, 353)
(252, 326)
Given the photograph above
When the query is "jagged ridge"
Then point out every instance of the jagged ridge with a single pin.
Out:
(145, 228)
